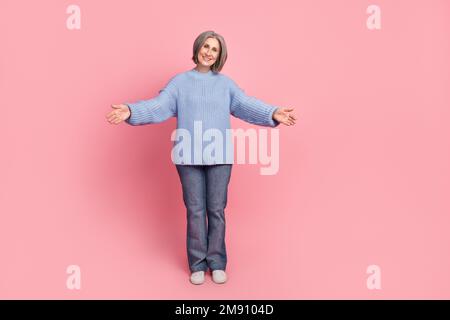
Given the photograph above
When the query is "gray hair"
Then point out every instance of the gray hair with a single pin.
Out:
(201, 39)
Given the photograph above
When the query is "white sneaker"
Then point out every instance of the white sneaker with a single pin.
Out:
(219, 276)
(198, 277)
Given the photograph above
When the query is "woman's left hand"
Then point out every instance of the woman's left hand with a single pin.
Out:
(285, 116)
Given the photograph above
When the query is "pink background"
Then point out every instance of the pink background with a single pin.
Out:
(364, 174)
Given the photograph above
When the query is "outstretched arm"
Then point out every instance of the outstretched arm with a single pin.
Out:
(250, 109)
(253, 110)
(155, 110)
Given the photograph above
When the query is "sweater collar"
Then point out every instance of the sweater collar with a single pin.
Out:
(201, 75)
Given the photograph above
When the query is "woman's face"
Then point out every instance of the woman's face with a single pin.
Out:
(209, 52)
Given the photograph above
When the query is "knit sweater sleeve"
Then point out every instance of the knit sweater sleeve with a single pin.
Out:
(157, 109)
(249, 108)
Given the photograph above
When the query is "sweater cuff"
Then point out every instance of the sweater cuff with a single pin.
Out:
(272, 122)
(130, 107)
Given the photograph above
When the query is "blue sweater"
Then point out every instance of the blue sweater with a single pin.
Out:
(202, 103)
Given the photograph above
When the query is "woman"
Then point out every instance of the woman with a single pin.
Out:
(202, 97)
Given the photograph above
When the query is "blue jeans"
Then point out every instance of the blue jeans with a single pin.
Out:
(205, 195)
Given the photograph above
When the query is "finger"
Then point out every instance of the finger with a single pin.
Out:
(112, 119)
(118, 118)
(112, 115)
(114, 112)
(288, 109)
(293, 116)
(116, 106)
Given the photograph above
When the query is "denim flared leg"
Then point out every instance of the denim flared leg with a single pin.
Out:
(193, 183)
(217, 179)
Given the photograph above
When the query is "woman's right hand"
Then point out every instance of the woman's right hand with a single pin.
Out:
(120, 112)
